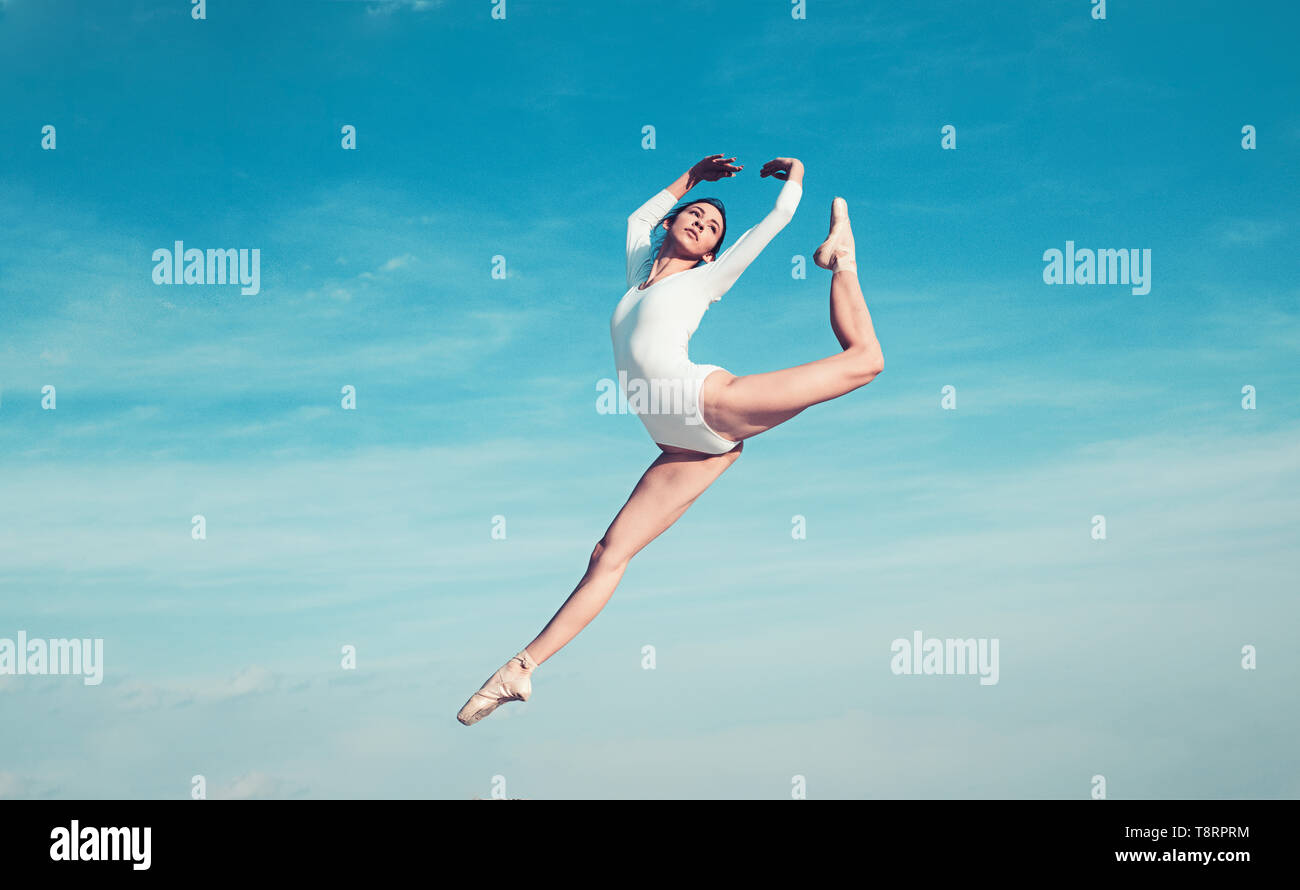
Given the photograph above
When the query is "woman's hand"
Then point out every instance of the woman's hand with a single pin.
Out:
(713, 168)
(781, 168)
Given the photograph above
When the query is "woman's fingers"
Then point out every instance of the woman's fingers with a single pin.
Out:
(720, 166)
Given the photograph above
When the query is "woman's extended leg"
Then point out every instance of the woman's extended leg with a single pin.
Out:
(741, 407)
(666, 489)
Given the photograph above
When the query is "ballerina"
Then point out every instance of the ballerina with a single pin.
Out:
(710, 412)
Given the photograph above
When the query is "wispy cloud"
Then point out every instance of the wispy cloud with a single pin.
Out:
(388, 7)
(1250, 231)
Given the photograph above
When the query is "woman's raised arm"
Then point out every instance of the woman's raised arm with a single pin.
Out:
(640, 225)
(724, 271)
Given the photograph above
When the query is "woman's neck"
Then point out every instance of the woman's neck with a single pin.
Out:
(669, 264)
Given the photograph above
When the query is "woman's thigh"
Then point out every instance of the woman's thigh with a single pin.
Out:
(744, 406)
(665, 490)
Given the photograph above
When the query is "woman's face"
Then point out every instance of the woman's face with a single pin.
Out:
(697, 230)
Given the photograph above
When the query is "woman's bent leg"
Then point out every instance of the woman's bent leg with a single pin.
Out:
(741, 407)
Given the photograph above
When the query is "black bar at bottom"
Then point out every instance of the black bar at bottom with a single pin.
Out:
(334, 839)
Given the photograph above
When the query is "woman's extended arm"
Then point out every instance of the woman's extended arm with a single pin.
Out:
(640, 225)
(724, 271)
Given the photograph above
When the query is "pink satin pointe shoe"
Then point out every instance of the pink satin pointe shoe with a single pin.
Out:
(512, 682)
(837, 251)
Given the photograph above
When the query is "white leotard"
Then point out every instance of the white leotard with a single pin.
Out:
(652, 328)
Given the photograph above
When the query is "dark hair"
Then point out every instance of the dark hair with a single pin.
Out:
(657, 233)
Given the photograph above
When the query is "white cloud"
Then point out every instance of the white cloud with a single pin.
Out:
(398, 262)
(387, 7)
(251, 786)
(136, 694)
(12, 786)
(1249, 231)
(251, 680)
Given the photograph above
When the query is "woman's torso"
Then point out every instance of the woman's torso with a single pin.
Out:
(652, 327)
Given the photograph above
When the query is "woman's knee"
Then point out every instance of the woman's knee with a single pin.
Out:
(607, 556)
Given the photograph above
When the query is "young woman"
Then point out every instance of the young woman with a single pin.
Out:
(698, 415)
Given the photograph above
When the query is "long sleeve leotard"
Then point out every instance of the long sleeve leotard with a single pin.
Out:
(651, 328)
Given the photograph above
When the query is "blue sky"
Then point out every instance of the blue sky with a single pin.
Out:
(476, 397)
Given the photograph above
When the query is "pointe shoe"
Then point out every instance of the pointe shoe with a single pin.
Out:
(511, 682)
(837, 251)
